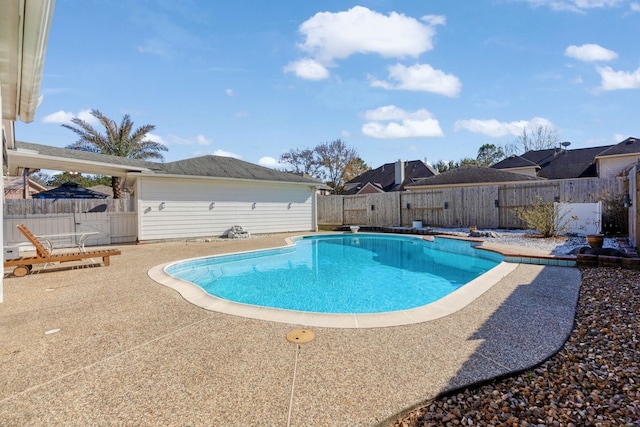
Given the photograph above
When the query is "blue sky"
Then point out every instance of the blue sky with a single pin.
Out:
(407, 80)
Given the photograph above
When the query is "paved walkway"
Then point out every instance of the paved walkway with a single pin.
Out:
(110, 346)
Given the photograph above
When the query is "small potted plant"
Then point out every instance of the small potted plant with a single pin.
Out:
(595, 240)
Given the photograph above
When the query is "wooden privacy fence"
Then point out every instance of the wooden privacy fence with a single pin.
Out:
(490, 206)
(114, 220)
(56, 206)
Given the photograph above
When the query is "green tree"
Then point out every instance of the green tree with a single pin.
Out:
(468, 161)
(442, 166)
(489, 154)
(82, 180)
(119, 140)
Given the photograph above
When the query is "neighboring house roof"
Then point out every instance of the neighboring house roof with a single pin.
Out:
(557, 163)
(101, 188)
(46, 157)
(470, 175)
(384, 177)
(630, 145)
(14, 187)
(515, 162)
(369, 188)
(13, 183)
(70, 190)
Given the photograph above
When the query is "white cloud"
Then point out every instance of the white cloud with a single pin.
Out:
(195, 140)
(270, 162)
(229, 92)
(329, 36)
(155, 138)
(154, 47)
(434, 20)
(579, 6)
(421, 77)
(59, 117)
(391, 122)
(223, 153)
(391, 112)
(614, 80)
(88, 117)
(203, 140)
(590, 52)
(635, 7)
(307, 69)
(64, 117)
(495, 128)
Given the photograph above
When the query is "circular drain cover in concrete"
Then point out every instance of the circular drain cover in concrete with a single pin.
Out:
(300, 336)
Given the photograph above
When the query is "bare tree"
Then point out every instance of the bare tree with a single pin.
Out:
(302, 161)
(335, 157)
(541, 138)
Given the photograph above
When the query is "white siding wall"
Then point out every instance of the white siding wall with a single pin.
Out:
(613, 166)
(188, 208)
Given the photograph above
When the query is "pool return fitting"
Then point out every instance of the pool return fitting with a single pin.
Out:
(300, 336)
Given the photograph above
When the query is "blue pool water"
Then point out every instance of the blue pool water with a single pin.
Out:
(363, 273)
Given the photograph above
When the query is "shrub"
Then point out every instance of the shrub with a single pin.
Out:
(544, 218)
(615, 217)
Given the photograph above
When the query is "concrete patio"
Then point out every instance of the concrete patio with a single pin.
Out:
(110, 346)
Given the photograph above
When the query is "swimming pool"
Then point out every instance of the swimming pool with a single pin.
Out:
(345, 274)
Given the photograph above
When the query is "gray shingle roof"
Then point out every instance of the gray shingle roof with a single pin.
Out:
(384, 177)
(68, 153)
(515, 161)
(556, 163)
(229, 167)
(628, 146)
(474, 175)
(205, 166)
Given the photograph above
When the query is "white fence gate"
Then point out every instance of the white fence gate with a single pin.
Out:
(112, 227)
(580, 218)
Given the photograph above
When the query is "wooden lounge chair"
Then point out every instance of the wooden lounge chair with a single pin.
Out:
(23, 265)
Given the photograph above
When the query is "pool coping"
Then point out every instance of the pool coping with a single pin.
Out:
(445, 306)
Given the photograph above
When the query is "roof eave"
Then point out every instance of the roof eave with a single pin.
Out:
(151, 174)
(599, 157)
(36, 160)
(37, 22)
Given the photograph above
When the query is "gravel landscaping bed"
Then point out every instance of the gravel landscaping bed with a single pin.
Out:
(594, 380)
(561, 245)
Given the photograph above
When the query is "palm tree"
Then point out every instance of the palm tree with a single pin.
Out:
(118, 141)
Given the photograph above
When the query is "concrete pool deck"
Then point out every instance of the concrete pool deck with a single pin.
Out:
(109, 345)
